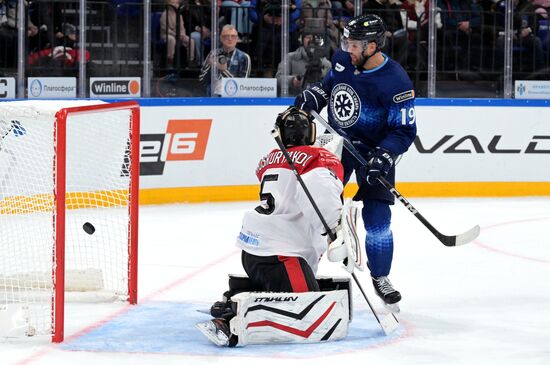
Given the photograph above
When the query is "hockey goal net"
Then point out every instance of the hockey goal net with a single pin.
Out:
(64, 165)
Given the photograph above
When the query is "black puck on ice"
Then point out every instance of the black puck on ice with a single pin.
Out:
(88, 228)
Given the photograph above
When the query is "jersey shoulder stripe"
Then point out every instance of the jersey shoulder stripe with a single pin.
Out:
(305, 158)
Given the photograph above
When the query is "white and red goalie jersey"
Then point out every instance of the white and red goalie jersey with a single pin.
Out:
(285, 223)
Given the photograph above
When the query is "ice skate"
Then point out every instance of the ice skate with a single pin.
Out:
(217, 331)
(384, 289)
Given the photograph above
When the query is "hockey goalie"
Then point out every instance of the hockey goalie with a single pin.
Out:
(282, 240)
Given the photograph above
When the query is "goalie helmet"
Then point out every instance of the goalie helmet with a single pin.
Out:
(367, 28)
(296, 127)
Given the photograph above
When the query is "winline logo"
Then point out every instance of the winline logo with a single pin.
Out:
(184, 140)
(115, 87)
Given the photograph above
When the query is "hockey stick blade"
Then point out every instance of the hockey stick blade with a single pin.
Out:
(467, 236)
(449, 241)
(389, 324)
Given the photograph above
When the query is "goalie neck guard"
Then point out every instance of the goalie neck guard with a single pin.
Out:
(296, 127)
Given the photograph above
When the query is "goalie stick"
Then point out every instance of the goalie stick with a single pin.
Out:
(448, 241)
(389, 323)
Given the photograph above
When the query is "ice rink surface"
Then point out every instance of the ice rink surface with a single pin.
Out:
(487, 302)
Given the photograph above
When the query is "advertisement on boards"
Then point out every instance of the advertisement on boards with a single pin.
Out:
(249, 88)
(183, 140)
(221, 145)
(531, 89)
(7, 88)
(51, 87)
(115, 87)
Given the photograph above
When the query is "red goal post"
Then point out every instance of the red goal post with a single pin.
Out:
(76, 165)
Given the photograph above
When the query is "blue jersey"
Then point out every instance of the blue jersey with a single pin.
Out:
(374, 107)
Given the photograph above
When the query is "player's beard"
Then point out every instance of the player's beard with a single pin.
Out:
(360, 61)
(356, 59)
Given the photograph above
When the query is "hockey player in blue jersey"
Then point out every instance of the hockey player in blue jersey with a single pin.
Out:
(371, 102)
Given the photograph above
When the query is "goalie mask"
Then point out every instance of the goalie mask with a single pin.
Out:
(296, 127)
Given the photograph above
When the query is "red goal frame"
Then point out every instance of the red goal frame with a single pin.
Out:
(59, 169)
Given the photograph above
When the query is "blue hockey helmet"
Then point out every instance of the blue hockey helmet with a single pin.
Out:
(367, 28)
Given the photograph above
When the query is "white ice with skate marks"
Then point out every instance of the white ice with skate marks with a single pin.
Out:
(481, 303)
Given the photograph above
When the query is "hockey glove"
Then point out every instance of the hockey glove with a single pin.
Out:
(380, 164)
(313, 98)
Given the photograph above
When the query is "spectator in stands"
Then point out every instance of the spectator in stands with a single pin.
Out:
(49, 17)
(172, 28)
(8, 33)
(342, 10)
(266, 15)
(525, 43)
(542, 9)
(415, 17)
(198, 16)
(461, 33)
(229, 60)
(3, 13)
(64, 54)
(318, 13)
(396, 35)
(37, 38)
(308, 64)
(238, 16)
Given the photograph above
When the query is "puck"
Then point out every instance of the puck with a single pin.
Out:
(88, 228)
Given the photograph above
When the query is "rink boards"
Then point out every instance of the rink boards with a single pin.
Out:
(196, 150)
(207, 149)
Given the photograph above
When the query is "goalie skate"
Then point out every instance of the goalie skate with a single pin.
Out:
(217, 331)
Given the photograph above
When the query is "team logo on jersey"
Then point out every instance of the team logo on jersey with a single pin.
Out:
(339, 67)
(407, 95)
(345, 105)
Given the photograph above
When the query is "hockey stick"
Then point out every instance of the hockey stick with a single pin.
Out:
(389, 323)
(448, 241)
(7, 131)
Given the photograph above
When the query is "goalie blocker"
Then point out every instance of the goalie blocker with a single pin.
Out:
(248, 317)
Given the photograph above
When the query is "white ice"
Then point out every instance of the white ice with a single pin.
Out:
(487, 302)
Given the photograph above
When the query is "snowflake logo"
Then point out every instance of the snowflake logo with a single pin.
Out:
(345, 105)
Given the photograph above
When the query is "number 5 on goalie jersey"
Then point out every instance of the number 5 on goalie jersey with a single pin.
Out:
(268, 200)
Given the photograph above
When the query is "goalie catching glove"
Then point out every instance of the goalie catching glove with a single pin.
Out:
(347, 247)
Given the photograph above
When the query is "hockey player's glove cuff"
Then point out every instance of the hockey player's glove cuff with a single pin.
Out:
(313, 98)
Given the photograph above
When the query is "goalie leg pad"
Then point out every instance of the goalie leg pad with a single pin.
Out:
(330, 283)
(265, 318)
(237, 284)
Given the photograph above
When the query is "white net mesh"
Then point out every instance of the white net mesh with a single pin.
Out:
(331, 142)
(97, 191)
